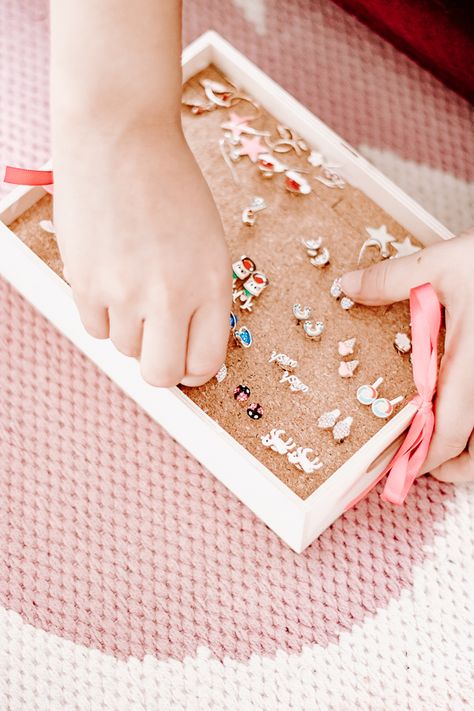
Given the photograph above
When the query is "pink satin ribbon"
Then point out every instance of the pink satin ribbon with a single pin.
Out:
(405, 466)
(24, 176)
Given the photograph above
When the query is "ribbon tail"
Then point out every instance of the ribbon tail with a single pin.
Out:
(405, 468)
(24, 176)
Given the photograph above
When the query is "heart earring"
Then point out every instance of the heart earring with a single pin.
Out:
(383, 408)
(367, 394)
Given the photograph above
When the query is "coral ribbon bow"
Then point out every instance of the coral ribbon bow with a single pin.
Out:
(425, 312)
(405, 466)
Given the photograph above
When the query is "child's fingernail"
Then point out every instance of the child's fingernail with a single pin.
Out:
(351, 282)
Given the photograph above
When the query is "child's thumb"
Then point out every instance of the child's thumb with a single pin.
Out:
(390, 280)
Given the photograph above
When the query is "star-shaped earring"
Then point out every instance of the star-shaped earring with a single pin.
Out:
(405, 248)
(236, 124)
(378, 238)
(251, 147)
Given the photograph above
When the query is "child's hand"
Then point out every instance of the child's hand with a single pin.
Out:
(449, 266)
(143, 246)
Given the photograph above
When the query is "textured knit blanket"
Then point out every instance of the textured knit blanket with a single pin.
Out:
(130, 579)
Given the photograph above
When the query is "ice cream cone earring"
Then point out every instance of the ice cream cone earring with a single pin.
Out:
(367, 394)
(384, 408)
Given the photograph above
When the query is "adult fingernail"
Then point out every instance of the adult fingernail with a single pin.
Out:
(351, 282)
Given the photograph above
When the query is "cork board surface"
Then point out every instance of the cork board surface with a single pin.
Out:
(274, 243)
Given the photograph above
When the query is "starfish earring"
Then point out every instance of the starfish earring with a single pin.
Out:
(378, 238)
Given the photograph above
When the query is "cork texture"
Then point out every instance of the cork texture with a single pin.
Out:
(274, 243)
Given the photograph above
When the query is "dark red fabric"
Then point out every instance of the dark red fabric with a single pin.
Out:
(438, 34)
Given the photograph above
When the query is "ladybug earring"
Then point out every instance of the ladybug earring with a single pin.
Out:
(241, 393)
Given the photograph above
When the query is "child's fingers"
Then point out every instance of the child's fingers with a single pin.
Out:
(126, 332)
(207, 342)
(163, 355)
(460, 469)
(392, 279)
(94, 317)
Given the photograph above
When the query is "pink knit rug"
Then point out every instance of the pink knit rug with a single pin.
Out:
(130, 578)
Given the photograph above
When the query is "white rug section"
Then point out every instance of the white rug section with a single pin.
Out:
(448, 198)
(254, 12)
(416, 654)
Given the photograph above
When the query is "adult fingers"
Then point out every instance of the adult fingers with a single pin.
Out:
(94, 316)
(163, 354)
(392, 279)
(454, 416)
(460, 469)
(126, 331)
(207, 342)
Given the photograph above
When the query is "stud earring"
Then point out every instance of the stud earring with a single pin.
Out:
(299, 458)
(47, 226)
(296, 385)
(329, 177)
(250, 289)
(322, 259)
(402, 343)
(301, 313)
(345, 348)
(242, 268)
(221, 373)
(296, 183)
(249, 215)
(283, 360)
(313, 330)
(342, 429)
(268, 165)
(367, 394)
(312, 245)
(274, 440)
(328, 419)
(288, 140)
(255, 411)
(336, 292)
(383, 408)
(241, 393)
(243, 337)
(347, 367)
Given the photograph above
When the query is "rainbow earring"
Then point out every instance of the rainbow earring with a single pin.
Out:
(383, 408)
(368, 394)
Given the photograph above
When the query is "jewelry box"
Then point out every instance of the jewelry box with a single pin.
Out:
(297, 508)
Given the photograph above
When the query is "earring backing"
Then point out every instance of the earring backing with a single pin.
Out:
(383, 408)
(367, 394)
